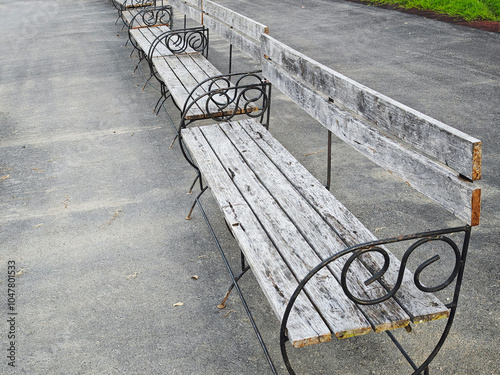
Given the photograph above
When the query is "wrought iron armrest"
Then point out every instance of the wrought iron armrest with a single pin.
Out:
(181, 41)
(222, 99)
(152, 16)
(356, 253)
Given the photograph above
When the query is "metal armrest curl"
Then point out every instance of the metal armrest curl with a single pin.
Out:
(356, 253)
(153, 16)
(222, 99)
(181, 41)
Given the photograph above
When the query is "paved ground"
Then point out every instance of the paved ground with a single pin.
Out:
(92, 200)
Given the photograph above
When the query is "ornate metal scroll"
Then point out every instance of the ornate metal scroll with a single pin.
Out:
(152, 17)
(356, 253)
(221, 99)
(182, 41)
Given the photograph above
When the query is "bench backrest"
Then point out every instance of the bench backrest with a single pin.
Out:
(240, 31)
(191, 8)
(435, 159)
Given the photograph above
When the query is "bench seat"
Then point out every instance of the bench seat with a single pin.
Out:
(133, 3)
(286, 223)
(145, 36)
(189, 76)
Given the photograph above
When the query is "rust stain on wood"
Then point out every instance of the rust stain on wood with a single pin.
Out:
(476, 161)
(476, 207)
(431, 317)
(312, 341)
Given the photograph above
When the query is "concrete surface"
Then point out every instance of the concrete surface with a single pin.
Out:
(92, 200)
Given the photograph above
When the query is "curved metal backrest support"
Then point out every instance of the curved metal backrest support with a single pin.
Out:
(222, 99)
(152, 16)
(182, 41)
(356, 252)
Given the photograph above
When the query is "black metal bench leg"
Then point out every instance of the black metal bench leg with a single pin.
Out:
(188, 217)
(236, 286)
(222, 305)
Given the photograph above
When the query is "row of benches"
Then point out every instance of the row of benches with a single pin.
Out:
(322, 271)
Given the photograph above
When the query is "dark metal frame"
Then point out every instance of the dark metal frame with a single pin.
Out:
(356, 252)
(150, 17)
(131, 4)
(177, 42)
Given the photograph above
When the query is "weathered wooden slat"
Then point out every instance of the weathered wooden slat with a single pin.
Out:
(191, 8)
(310, 225)
(178, 81)
(248, 46)
(245, 25)
(343, 316)
(182, 73)
(420, 306)
(305, 326)
(450, 146)
(145, 36)
(134, 3)
(427, 176)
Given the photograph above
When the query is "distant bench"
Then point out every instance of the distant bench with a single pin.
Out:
(123, 5)
(178, 60)
(134, 18)
(322, 271)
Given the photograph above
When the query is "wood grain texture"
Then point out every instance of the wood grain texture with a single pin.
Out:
(424, 174)
(145, 36)
(419, 306)
(191, 8)
(305, 224)
(183, 74)
(247, 45)
(450, 146)
(305, 326)
(247, 26)
(323, 241)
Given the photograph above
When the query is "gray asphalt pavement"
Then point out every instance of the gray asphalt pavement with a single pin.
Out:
(93, 200)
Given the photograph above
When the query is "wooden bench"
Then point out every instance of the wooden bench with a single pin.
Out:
(178, 60)
(122, 5)
(134, 18)
(322, 271)
(155, 18)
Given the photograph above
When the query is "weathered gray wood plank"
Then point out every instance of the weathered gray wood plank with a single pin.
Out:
(134, 3)
(305, 326)
(434, 138)
(420, 306)
(182, 73)
(248, 46)
(343, 316)
(191, 8)
(301, 212)
(245, 25)
(145, 37)
(427, 176)
(178, 81)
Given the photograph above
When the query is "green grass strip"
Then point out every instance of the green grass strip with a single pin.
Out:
(470, 10)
